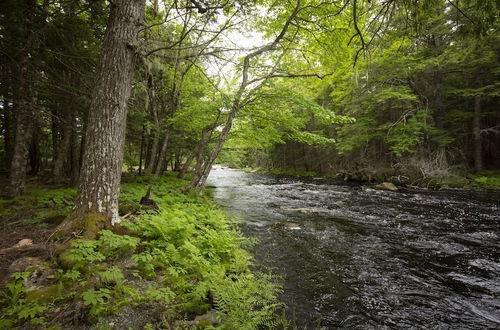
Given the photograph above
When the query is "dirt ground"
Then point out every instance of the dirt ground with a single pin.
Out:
(13, 229)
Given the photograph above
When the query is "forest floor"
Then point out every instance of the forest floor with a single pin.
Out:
(184, 263)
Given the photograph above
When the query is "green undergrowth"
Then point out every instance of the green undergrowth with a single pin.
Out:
(283, 172)
(182, 261)
(38, 206)
(474, 181)
(484, 180)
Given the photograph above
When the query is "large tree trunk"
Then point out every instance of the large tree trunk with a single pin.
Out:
(100, 175)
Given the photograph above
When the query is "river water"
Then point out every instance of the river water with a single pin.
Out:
(354, 257)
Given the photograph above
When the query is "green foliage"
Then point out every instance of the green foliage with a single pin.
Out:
(178, 257)
(19, 310)
(98, 301)
(488, 179)
(244, 300)
(111, 275)
(83, 252)
(113, 244)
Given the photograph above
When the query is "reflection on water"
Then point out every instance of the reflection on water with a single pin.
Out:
(355, 257)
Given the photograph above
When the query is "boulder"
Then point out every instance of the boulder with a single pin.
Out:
(41, 275)
(286, 225)
(387, 186)
(300, 210)
(209, 318)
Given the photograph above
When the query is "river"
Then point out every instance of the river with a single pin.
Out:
(354, 257)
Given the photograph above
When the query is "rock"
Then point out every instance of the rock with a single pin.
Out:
(209, 317)
(314, 192)
(42, 275)
(286, 225)
(23, 242)
(300, 210)
(22, 264)
(387, 186)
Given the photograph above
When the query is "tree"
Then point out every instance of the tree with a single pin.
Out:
(100, 176)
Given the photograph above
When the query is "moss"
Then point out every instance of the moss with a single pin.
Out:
(45, 295)
(88, 225)
(55, 219)
(65, 259)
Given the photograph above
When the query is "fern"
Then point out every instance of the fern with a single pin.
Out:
(247, 301)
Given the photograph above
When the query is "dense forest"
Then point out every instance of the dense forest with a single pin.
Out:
(92, 91)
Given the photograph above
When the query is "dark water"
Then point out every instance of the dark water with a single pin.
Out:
(359, 258)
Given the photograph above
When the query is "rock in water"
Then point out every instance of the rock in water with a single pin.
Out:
(286, 225)
(387, 186)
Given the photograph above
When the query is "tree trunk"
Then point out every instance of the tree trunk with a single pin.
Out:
(24, 118)
(34, 151)
(160, 164)
(476, 129)
(200, 179)
(100, 175)
(152, 160)
(63, 148)
(185, 166)
(74, 154)
(141, 152)
(7, 133)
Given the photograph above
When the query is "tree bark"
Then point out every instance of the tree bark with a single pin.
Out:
(24, 119)
(152, 160)
(160, 164)
(141, 152)
(34, 150)
(476, 129)
(74, 154)
(7, 133)
(199, 179)
(63, 148)
(100, 175)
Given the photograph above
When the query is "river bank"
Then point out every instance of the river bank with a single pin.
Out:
(482, 181)
(183, 265)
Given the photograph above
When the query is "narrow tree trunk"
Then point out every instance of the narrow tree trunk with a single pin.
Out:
(160, 164)
(200, 179)
(34, 151)
(150, 167)
(63, 148)
(185, 166)
(476, 129)
(177, 162)
(24, 118)
(7, 133)
(141, 152)
(100, 175)
(74, 154)
(54, 133)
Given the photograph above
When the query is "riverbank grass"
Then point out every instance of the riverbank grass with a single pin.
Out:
(182, 266)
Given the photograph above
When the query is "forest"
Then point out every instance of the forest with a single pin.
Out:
(113, 114)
